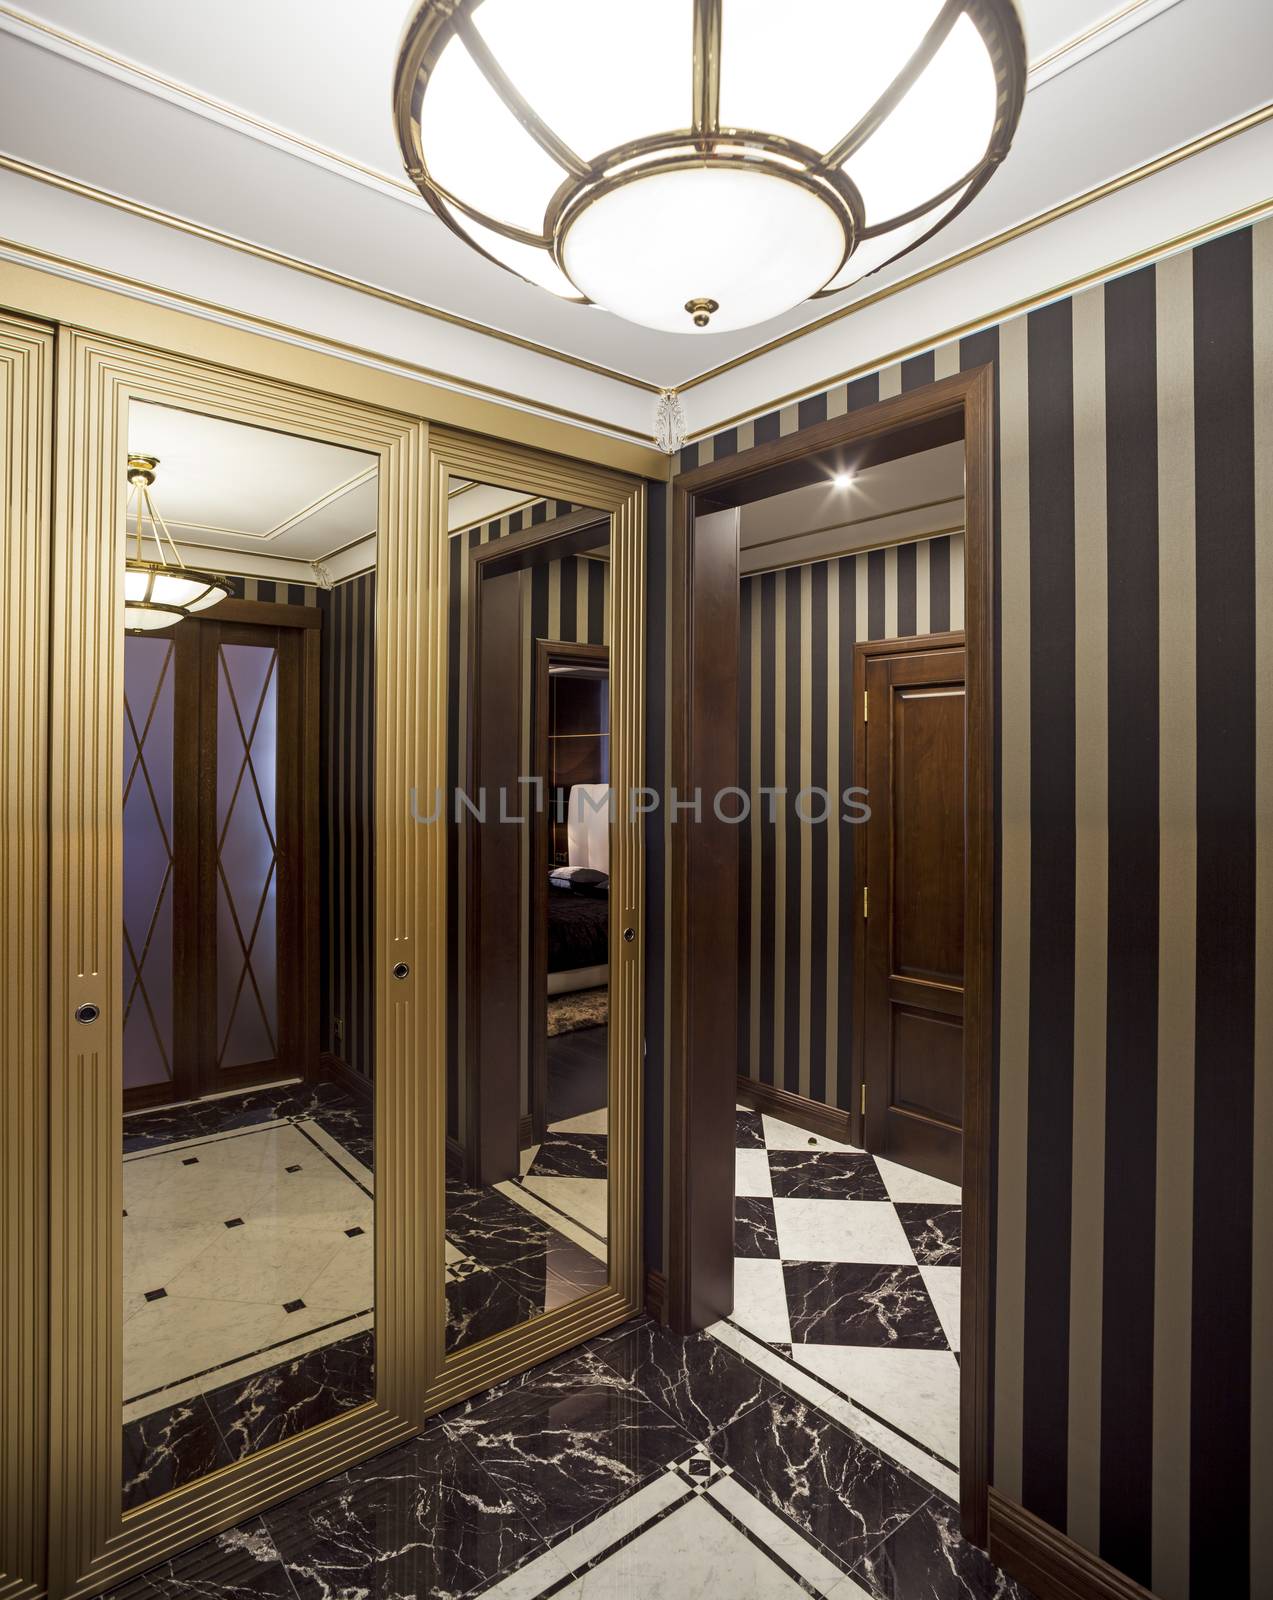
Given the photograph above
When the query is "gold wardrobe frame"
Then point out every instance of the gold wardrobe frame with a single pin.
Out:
(464, 1372)
(60, 1249)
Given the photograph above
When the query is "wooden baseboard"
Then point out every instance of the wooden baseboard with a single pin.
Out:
(656, 1296)
(1048, 1561)
(797, 1109)
(339, 1071)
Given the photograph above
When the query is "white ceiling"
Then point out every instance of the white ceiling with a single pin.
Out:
(904, 499)
(271, 124)
(229, 487)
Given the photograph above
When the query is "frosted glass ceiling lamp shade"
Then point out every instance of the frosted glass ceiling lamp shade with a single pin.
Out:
(698, 165)
(158, 594)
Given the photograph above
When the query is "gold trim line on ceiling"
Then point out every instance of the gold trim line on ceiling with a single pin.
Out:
(1184, 241)
(279, 258)
(1148, 169)
(323, 344)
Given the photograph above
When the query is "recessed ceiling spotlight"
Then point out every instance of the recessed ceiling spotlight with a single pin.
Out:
(842, 480)
(704, 165)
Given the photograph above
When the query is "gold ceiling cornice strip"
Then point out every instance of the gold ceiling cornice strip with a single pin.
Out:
(279, 258)
(1087, 280)
(1086, 36)
(1148, 169)
(319, 342)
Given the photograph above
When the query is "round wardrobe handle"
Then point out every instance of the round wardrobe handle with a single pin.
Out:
(87, 1013)
(401, 970)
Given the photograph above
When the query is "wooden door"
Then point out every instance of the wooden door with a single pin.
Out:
(220, 837)
(912, 945)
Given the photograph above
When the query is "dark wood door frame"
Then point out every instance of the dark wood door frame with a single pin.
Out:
(703, 659)
(863, 651)
(567, 535)
(548, 652)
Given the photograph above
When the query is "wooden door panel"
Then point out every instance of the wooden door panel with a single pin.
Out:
(911, 742)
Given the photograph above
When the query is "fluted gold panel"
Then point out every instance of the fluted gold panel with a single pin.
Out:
(26, 469)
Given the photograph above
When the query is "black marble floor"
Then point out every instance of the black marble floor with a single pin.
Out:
(554, 1474)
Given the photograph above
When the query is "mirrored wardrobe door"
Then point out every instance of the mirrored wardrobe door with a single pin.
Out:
(542, 1067)
(218, 1116)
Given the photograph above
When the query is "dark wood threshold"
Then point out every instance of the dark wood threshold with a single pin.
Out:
(796, 1109)
(337, 1070)
(656, 1296)
(1048, 1561)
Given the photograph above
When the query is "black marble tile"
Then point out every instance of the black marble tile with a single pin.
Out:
(421, 1520)
(751, 1130)
(835, 1488)
(851, 1302)
(755, 1232)
(928, 1559)
(825, 1175)
(484, 1303)
(494, 1229)
(241, 1564)
(347, 1118)
(700, 1382)
(285, 1400)
(563, 1452)
(933, 1230)
(571, 1155)
(170, 1447)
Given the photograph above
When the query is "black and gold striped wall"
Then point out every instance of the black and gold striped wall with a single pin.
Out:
(797, 897)
(1133, 1293)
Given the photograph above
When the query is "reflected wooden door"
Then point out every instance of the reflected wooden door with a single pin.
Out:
(220, 902)
(912, 969)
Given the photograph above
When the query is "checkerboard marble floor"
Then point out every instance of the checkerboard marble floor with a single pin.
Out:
(847, 1267)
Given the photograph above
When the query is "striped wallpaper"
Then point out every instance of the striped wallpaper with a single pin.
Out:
(1133, 1311)
(347, 764)
(797, 897)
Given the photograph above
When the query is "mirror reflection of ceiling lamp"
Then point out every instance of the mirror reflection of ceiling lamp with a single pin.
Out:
(704, 164)
(159, 593)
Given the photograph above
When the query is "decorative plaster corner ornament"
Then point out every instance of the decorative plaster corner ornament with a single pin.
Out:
(322, 577)
(669, 422)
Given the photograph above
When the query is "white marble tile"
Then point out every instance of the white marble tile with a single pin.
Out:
(848, 1589)
(751, 1172)
(782, 1136)
(521, 1195)
(915, 1390)
(943, 1287)
(261, 1263)
(842, 1230)
(587, 1122)
(777, 1535)
(605, 1531)
(810, 1388)
(760, 1300)
(347, 1282)
(544, 1572)
(526, 1159)
(694, 1553)
(157, 1249)
(583, 1199)
(904, 1183)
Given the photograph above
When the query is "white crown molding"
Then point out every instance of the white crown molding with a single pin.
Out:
(84, 53)
(1113, 26)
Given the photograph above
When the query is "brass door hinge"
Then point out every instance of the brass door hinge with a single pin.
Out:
(866, 705)
(866, 904)
(863, 1096)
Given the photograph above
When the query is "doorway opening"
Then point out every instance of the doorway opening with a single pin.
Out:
(862, 1056)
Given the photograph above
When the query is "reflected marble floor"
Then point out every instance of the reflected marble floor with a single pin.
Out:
(248, 1277)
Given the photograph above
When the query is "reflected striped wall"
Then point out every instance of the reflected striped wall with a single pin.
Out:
(796, 892)
(1133, 1309)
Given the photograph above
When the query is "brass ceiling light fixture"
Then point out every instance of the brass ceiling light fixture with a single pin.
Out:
(159, 593)
(704, 164)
